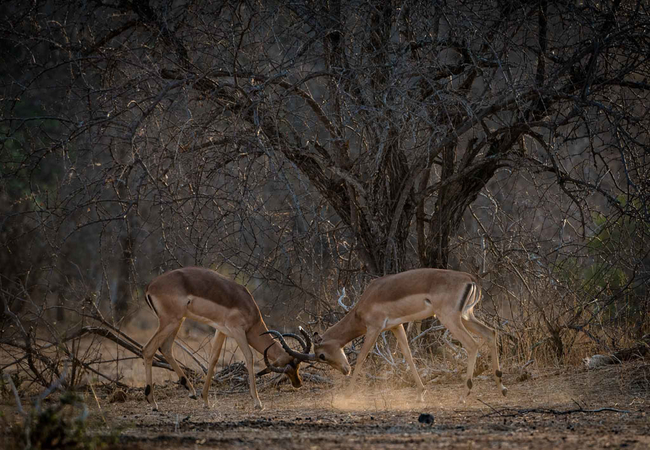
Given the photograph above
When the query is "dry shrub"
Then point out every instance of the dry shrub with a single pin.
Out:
(63, 425)
(118, 396)
(638, 380)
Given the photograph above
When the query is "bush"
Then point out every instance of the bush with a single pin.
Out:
(61, 426)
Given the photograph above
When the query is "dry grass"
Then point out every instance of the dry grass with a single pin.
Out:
(380, 413)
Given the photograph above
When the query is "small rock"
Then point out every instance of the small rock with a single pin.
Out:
(426, 419)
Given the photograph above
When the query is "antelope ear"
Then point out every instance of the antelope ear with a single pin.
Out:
(263, 372)
(317, 338)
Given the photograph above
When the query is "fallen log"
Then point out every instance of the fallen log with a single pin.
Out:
(639, 350)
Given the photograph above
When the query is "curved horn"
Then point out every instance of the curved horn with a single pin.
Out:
(307, 348)
(270, 366)
(299, 356)
(300, 340)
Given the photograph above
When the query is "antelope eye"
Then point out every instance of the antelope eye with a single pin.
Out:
(322, 357)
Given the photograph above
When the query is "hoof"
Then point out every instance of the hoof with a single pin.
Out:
(193, 396)
(504, 391)
(258, 406)
(148, 394)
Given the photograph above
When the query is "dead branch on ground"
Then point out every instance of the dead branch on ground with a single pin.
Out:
(514, 412)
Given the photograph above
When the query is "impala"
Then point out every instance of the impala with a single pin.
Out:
(392, 300)
(205, 296)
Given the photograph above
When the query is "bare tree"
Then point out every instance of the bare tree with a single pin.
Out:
(294, 140)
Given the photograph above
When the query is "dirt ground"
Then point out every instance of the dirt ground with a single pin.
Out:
(540, 412)
(548, 408)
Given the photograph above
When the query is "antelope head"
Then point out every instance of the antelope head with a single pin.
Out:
(326, 351)
(287, 364)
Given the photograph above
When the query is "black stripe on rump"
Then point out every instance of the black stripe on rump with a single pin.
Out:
(150, 303)
(463, 300)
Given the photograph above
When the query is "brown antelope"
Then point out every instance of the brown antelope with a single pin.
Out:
(392, 300)
(205, 296)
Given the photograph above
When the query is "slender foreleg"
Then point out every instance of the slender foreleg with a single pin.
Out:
(217, 344)
(402, 340)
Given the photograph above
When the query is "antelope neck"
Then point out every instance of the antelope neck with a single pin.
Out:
(348, 328)
(261, 342)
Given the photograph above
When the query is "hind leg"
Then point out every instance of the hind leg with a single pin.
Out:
(167, 349)
(490, 336)
(165, 328)
(455, 326)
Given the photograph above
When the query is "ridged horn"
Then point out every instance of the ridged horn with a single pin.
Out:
(300, 340)
(307, 348)
(270, 366)
(298, 355)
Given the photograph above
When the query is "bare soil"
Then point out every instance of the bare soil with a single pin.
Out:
(540, 412)
(563, 408)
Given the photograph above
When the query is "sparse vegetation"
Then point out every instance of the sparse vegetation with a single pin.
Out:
(305, 147)
(62, 424)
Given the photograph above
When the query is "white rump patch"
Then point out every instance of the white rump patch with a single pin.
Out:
(470, 300)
